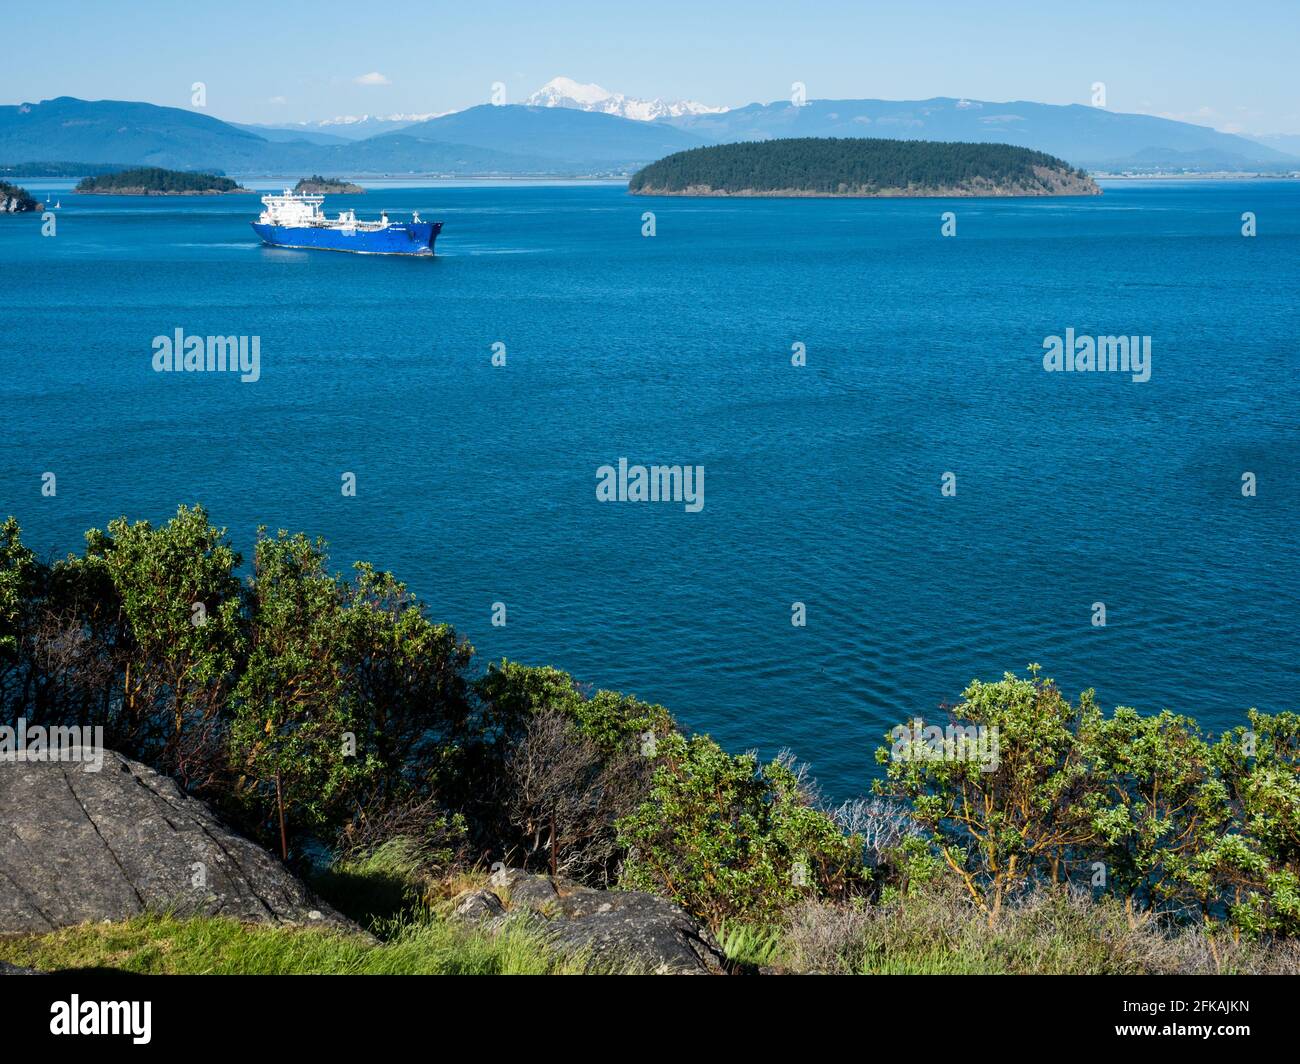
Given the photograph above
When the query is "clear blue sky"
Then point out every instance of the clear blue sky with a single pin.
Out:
(1228, 65)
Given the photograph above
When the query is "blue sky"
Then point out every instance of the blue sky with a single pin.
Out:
(1231, 66)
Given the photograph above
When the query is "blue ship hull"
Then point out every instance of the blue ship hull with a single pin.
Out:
(410, 238)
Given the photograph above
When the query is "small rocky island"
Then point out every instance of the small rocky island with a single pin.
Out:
(155, 181)
(317, 185)
(860, 166)
(14, 199)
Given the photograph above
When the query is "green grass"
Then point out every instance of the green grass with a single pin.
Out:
(380, 888)
(386, 893)
(933, 963)
(160, 944)
(750, 944)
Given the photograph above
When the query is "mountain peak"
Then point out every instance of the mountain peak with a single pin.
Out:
(563, 88)
(565, 92)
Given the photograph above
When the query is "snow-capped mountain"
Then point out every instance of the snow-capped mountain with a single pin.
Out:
(354, 127)
(565, 92)
(352, 120)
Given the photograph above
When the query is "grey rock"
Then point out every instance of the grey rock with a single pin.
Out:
(12, 969)
(13, 204)
(611, 928)
(477, 906)
(79, 845)
(536, 893)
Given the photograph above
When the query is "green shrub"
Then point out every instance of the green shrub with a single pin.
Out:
(1140, 808)
(512, 694)
(727, 838)
(1156, 807)
(995, 822)
(1257, 867)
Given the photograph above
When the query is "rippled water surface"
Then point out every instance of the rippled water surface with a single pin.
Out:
(822, 483)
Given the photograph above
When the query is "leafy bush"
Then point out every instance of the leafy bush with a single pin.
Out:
(1257, 867)
(728, 838)
(1155, 806)
(17, 576)
(562, 767)
(350, 696)
(1142, 808)
(996, 823)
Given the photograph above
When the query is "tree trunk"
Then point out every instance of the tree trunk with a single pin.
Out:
(279, 804)
(555, 857)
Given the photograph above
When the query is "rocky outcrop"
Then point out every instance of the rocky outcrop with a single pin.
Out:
(79, 845)
(607, 927)
(14, 199)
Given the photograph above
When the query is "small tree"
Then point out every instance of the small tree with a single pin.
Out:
(17, 567)
(404, 682)
(539, 734)
(999, 821)
(565, 795)
(179, 633)
(290, 726)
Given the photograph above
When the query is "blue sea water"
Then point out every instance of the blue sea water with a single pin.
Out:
(476, 483)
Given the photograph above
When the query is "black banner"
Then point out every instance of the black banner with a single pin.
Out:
(171, 1013)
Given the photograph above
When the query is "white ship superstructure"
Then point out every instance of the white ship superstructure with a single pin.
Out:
(292, 219)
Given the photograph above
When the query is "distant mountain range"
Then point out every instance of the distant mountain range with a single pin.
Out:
(1090, 137)
(569, 129)
(138, 134)
(1284, 142)
(342, 128)
(481, 140)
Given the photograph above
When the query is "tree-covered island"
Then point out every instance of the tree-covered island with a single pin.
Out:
(852, 166)
(317, 185)
(155, 181)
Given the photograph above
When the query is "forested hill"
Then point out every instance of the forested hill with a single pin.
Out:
(832, 166)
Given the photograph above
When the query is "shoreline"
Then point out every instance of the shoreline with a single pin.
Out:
(1224, 176)
(893, 193)
(137, 190)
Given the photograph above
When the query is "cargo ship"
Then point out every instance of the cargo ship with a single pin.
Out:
(293, 220)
